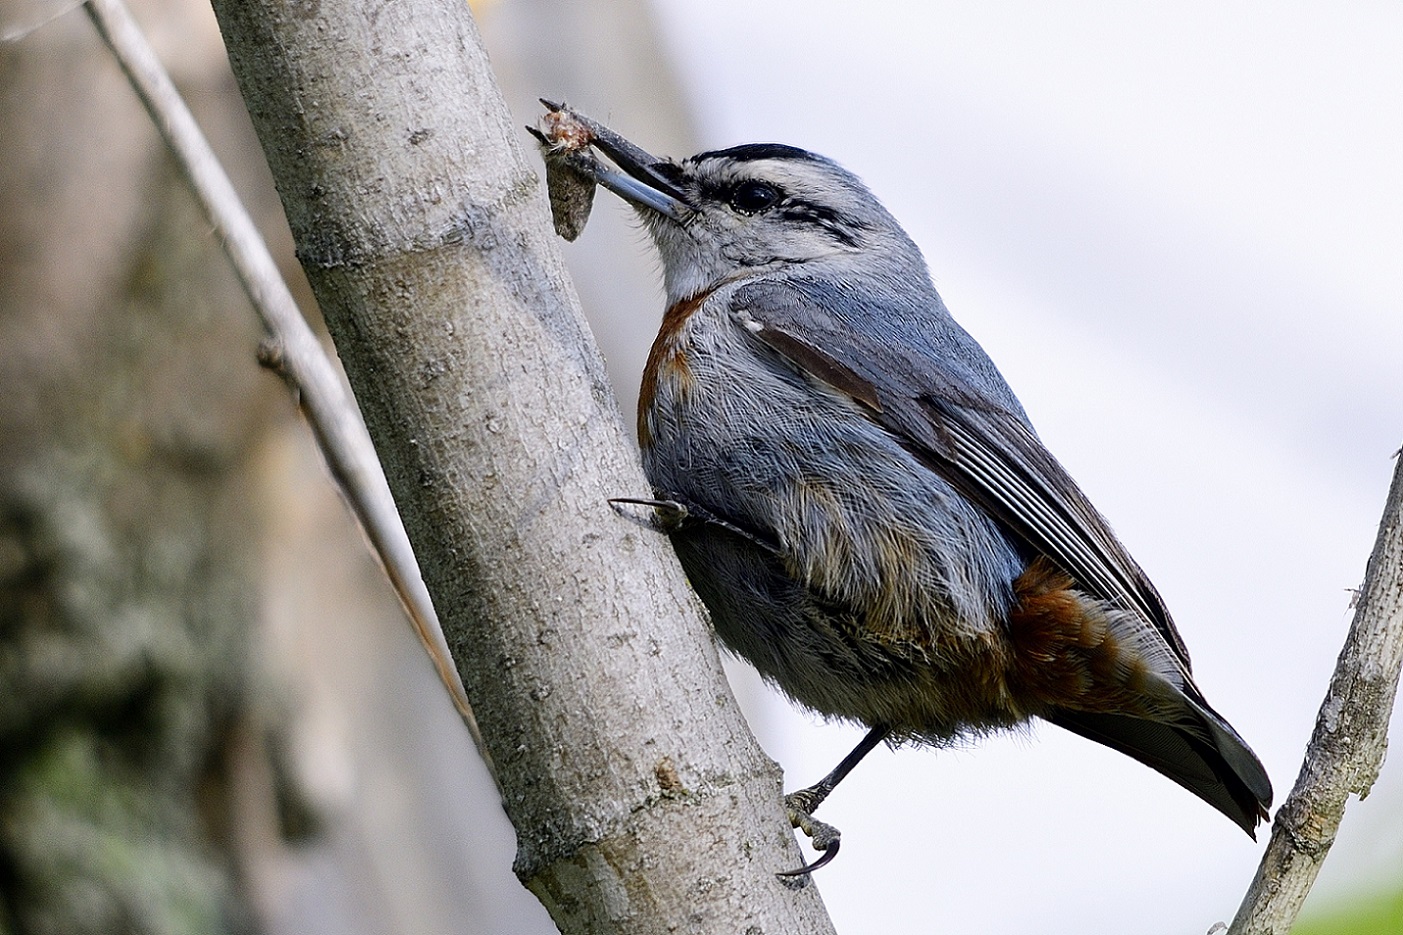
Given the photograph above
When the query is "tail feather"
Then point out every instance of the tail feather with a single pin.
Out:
(1213, 763)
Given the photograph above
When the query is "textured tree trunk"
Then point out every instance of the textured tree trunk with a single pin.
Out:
(128, 549)
(640, 801)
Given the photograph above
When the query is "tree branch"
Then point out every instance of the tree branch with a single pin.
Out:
(1347, 747)
(293, 350)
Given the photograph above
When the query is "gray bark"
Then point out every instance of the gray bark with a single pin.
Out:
(1347, 747)
(641, 802)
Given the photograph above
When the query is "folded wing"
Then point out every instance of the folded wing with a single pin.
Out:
(917, 374)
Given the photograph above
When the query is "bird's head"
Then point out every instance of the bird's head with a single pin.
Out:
(757, 209)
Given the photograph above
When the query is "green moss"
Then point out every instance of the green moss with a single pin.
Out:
(97, 849)
(1373, 914)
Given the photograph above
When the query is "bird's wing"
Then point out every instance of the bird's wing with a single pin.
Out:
(981, 446)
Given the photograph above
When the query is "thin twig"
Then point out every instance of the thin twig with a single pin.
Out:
(292, 349)
(18, 25)
(1347, 748)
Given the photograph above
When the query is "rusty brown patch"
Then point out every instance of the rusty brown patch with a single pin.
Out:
(666, 359)
(1063, 653)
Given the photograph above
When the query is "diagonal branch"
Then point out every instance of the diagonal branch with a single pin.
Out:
(292, 349)
(1347, 748)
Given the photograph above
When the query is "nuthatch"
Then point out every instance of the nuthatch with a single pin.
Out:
(859, 498)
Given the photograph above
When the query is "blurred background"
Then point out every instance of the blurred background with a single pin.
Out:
(1175, 227)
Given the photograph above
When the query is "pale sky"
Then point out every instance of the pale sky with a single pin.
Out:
(1177, 230)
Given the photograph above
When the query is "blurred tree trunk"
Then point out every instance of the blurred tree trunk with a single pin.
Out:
(128, 549)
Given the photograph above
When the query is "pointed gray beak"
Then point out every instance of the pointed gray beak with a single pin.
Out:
(666, 202)
(639, 182)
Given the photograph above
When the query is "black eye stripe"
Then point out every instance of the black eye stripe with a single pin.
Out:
(808, 211)
(839, 228)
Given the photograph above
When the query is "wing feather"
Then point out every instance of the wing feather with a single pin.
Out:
(921, 377)
(964, 424)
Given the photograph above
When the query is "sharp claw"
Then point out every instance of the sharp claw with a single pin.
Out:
(823, 861)
(824, 837)
(551, 105)
(668, 515)
(671, 506)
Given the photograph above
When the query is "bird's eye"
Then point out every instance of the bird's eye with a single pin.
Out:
(754, 197)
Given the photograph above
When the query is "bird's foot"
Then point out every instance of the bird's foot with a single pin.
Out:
(825, 838)
(668, 515)
(671, 513)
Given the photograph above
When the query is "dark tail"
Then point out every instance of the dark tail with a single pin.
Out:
(1208, 758)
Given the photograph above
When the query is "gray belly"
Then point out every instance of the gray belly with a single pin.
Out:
(878, 587)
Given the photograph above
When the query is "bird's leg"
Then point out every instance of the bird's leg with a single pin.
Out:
(668, 514)
(801, 805)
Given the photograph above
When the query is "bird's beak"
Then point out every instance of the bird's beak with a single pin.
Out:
(639, 182)
(642, 186)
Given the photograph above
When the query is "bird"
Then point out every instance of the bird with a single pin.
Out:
(859, 498)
